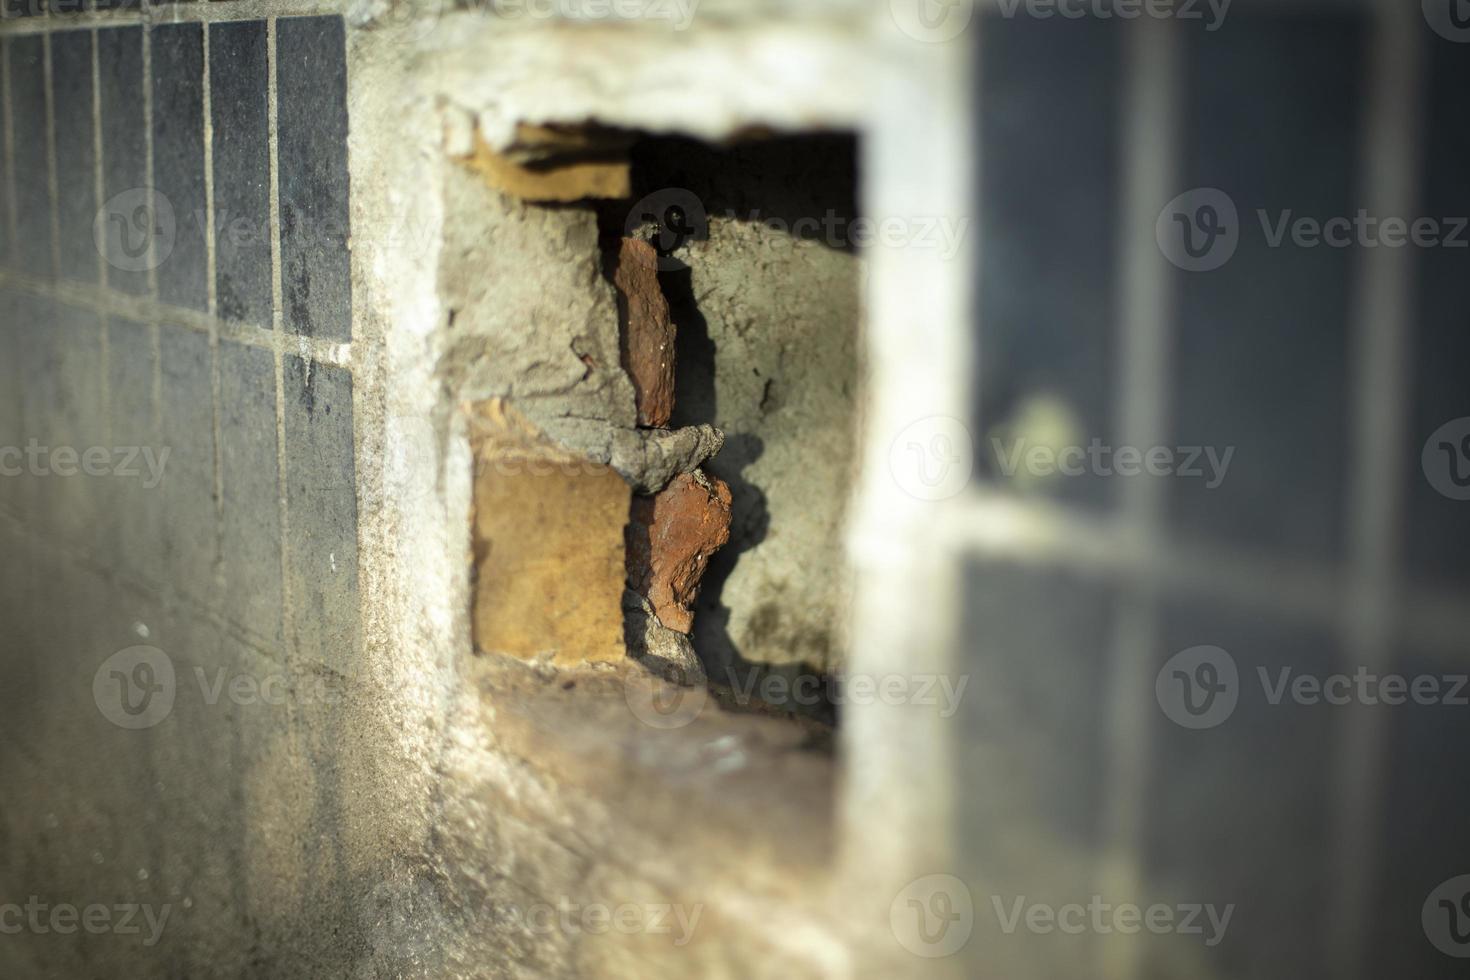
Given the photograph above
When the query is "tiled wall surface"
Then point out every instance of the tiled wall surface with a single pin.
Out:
(1324, 550)
(186, 218)
(174, 278)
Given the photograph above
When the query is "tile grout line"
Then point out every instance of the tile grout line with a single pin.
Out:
(9, 135)
(97, 190)
(1151, 119)
(211, 303)
(52, 183)
(155, 329)
(111, 302)
(278, 335)
(1003, 528)
(1382, 307)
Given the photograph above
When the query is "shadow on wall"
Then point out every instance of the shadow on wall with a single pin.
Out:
(767, 313)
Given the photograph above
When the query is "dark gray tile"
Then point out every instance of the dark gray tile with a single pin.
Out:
(1048, 201)
(1031, 754)
(1240, 811)
(190, 535)
(124, 159)
(239, 104)
(311, 75)
(1439, 524)
(76, 155)
(118, 4)
(1272, 118)
(32, 183)
(321, 500)
(178, 159)
(67, 8)
(1423, 806)
(23, 8)
(252, 516)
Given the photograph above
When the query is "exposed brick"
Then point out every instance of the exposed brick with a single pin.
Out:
(548, 545)
(563, 181)
(648, 339)
(670, 540)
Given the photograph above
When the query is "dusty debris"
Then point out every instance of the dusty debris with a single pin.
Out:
(671, 536)
(666, 652)
(648, 332)
(647, 458)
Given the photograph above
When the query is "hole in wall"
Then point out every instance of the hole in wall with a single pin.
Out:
(743, 256)
(763, 290)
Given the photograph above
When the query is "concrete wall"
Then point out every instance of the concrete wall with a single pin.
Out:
(241, 695)
(335, 783)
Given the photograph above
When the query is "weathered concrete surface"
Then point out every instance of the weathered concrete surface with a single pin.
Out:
(398, 826)
(769, 330)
